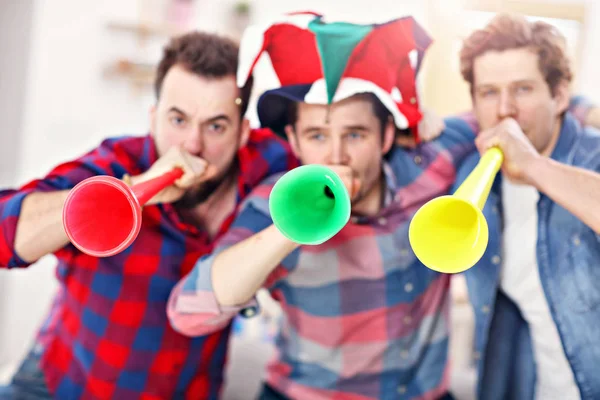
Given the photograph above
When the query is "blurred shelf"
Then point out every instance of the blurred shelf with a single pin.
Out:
(565, 9)
(140, 74)
(144, 29)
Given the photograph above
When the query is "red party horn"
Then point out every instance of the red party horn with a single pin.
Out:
(102, 216)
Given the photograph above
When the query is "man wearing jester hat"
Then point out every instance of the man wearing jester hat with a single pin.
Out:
(363, 319)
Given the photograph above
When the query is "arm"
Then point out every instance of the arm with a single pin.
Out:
(576, 189)
(236, 283)
(31, 217)
(39, 228)
(252, 254)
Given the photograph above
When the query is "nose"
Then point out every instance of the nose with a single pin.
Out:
(194, 142)
(506, 105)
(338, 154)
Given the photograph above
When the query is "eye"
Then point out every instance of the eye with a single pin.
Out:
(177, 120)
(355, 136)
(317, 137)
(216, 128)
(487, 92)
(524, 89)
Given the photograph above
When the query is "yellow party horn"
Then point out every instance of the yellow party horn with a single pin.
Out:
(449, 233)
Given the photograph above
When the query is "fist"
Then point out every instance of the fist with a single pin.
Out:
(195, 171)
(351, 182)
(430, 127)
(518, 151)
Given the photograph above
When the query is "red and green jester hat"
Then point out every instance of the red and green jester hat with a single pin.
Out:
(322, 62)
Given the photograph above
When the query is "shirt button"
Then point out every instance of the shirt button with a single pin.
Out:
(408, 287)
(354, 220)
(576, 240)
(485, 309)
(496, 260)
(495, 210)
(407, 319)
(404, 354)
(403, 252)
(382, 221)
(477, 355)
(413, 100)
(418, 159)
(401, 389)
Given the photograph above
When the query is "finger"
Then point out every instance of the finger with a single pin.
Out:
(483, 144)
(486, 139)
(192, 167)
(355, 187)
(346, 175)
(431, 129)
(441, 125)
(209, 172)
(198, 165)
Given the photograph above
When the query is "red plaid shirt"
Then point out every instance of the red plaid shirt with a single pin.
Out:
(107, 335)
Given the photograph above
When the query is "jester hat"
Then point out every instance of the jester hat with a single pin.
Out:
(322, 62)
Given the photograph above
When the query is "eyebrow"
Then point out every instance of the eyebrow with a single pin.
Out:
(311, 129)
(219, 118)
(216, 118)
(356, 128)
(177, 110)
(491, 85)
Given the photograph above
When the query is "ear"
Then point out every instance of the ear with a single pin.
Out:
(389, 135)
(244, 132)
(293, 140)
(562, 97)
(152, 117)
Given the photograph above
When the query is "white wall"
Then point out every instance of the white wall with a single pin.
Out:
(68, 108)
(589, 79)
(15, 22)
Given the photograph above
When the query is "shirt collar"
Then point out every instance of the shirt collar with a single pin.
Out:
(569, 132)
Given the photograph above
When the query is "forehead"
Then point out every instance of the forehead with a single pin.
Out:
(193, 93)
(505, 67)
(352, 111)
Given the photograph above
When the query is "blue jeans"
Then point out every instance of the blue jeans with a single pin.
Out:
(28, 383)
(268, 393)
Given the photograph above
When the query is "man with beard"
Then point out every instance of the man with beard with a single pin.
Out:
(107, 334)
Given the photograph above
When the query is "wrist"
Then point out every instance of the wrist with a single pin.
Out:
(535, 170)
(280, 240)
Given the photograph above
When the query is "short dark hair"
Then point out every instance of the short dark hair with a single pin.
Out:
(380, 111)
(206, 55)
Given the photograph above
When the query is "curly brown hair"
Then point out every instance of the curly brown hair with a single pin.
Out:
(206, 55)
(506, 32)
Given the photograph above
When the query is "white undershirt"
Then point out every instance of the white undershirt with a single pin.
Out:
(520, 280)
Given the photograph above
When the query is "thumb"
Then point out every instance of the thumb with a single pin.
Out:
(209, 172)
(355, 187)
